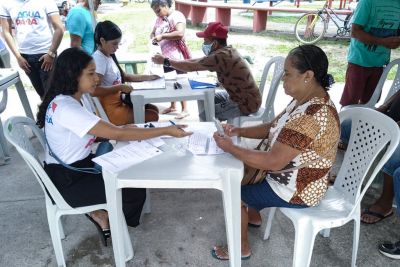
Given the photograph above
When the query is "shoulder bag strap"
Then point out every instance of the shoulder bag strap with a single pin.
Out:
(52, 154)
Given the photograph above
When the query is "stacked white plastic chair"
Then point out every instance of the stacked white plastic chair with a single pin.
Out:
(266, 112)
(374, 137)
(5, 63)
(15, 132)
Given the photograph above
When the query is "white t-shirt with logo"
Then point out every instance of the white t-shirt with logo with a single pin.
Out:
(106, 66)
(66, 128)
(30, 18)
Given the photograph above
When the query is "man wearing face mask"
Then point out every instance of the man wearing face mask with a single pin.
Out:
(241, 95)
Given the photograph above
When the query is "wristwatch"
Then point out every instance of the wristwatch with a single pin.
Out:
(167, 63)
(51, 54)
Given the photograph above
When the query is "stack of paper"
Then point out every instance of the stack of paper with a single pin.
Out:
(148, 85)
(200, 144)
(124, 157)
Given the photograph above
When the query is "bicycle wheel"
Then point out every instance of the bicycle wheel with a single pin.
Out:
(310, 28)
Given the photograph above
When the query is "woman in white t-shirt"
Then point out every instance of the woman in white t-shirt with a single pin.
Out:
(112, 78)
(71, 129)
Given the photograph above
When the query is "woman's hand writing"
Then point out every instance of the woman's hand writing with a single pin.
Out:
(177, 131)
(223, 141)
(231, 130)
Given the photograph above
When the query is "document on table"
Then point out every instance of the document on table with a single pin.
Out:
(201, 144)
(124, 157)
(149, 85)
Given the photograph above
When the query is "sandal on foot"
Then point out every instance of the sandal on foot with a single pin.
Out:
(169, 110)
(379, 216)
(342, 146)
(254, 225)
(104, 233)
(182, 115)
(225, 257)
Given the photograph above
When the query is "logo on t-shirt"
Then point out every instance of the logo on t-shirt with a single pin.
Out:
(28, 18)
(90, 143)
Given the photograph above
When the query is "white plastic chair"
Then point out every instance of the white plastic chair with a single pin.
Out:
(378, 90)
(4, 63)
(15, 132)
(96, 106)
(373, 139)
(266, 111)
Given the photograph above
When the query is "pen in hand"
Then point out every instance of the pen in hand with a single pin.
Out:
(173, 123)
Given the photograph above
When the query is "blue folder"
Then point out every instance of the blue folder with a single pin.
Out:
(201, 85)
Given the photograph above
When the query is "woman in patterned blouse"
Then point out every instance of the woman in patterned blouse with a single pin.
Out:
(302, 143)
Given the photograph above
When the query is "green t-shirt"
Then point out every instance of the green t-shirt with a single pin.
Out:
(79, 22)
(380, 18)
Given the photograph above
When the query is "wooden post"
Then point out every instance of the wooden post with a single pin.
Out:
(223, 15)
(259, 20)
(198, 14)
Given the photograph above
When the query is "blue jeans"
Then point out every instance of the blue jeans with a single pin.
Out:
(37, 75)
(390, 166)
(103, 148)
(260, 196)
(396, 188)
(225, 108)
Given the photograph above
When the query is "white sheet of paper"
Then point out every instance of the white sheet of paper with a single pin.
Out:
(213, 148)
(124, 157)
(198, 143)
(148, 85)
(156, 141)
(172, 75)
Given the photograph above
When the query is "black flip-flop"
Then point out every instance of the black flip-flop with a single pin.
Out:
(380, 216)
(104, 233)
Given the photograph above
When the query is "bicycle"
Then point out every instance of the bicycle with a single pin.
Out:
(311, 27)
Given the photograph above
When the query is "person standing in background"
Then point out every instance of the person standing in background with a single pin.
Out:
(80, 25)
(169, 32)
(38, 33)
(375, 31)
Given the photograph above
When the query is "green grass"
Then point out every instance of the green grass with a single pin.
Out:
(136, 21)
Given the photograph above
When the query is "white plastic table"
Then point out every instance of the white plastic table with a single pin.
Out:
(142, 97)
(178, 169)
(8, 77)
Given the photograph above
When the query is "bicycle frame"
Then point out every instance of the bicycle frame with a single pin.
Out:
(326, 12)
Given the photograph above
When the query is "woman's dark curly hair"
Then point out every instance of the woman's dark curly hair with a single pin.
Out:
(64, 78)
(311, 57)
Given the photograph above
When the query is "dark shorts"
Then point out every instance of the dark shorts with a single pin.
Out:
(260, 196)
(360, 84)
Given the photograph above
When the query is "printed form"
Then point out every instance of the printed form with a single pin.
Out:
(126, 156)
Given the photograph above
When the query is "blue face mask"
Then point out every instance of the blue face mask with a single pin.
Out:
(207, 48)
